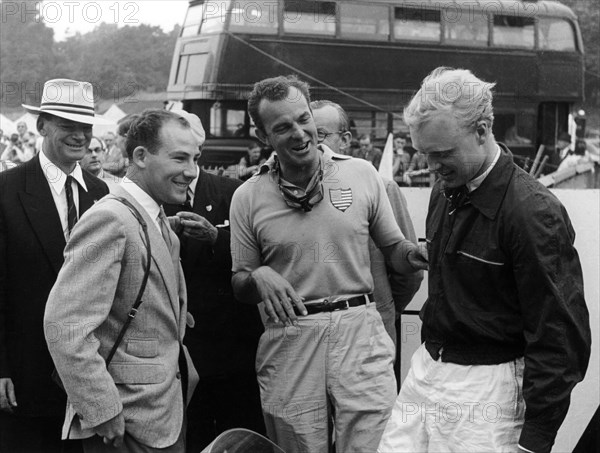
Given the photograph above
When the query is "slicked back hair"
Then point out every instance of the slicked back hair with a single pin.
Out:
(145, 129)
(124, 123)
(344, 121)
(455, 91)
(273, 89)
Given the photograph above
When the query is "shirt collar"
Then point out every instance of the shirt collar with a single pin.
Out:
(56, 177)
(489, 195)
(192, 186)
(328, 155)
(140, 195)
(476, 182)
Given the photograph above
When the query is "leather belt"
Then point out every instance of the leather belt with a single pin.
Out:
(327, 305)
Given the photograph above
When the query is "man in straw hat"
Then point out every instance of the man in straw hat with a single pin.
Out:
(40, 201)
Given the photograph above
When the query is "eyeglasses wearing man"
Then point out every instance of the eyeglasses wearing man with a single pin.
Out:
(94, 157)
(323, 134)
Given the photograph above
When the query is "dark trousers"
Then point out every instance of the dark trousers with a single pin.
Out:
(220, 404)
(20, 434)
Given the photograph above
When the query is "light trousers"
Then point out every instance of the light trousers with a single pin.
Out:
(445, 407)
(334, 371)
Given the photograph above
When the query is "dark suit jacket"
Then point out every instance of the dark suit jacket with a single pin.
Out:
(226, 334)
(31, 254)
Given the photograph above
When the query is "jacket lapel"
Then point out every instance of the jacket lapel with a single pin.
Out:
(160, 254)
(87, 199)
(40, 209)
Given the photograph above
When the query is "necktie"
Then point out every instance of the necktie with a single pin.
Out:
(170, 239)
(71, 211)
(188, 205)
(457, 198)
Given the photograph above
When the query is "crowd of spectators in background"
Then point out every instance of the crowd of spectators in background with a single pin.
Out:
(410, 167)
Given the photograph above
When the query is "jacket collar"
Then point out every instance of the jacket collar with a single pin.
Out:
(488, 197)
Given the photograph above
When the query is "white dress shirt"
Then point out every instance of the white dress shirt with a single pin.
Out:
(145, 200)
(56, 180)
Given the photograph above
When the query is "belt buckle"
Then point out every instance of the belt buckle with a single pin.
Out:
(327, 305)
(345, 307)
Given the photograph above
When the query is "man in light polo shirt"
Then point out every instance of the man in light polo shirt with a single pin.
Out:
(299, 237)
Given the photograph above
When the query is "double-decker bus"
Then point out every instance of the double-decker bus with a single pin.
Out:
(370, 57)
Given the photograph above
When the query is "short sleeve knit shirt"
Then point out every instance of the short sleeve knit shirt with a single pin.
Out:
(323, 252)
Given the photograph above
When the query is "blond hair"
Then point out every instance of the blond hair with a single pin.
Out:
(455, 91)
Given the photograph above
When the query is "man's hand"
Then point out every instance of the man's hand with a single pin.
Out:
(8, 400)
(112, 431)
(417, 258)
(175, 224)
(278, 295)
(197, 227)
(406, 257)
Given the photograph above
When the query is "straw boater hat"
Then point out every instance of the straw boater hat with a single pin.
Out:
(68, 99)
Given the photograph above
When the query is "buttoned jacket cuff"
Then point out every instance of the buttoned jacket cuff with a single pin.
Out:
(536, 440)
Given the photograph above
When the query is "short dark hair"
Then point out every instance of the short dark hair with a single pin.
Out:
(344, 121)
(274, 89)
(124, 123)
(145, 129)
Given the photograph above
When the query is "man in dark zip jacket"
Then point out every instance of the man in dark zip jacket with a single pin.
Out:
(506, 331)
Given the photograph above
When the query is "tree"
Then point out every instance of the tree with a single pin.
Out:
(120, 61)
(26, 53)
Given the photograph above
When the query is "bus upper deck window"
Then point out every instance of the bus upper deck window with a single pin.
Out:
(417, 24)
(308, 17)
(254, 17)
(215, 16)
(465, 27)
(364, 21)
(513, 31)
(556, 34)
(192, 21)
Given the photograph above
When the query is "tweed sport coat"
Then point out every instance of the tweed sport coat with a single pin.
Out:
(225, 338)
(31, 255)
(96, 287)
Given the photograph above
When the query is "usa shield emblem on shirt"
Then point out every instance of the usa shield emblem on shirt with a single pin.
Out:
(341, 198)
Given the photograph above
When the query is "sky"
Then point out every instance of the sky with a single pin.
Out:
(70, 17)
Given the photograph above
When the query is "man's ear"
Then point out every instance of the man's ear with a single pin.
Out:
(262, 137)
(140, 156)
(482, 129)
(346, 138)
(40, 124)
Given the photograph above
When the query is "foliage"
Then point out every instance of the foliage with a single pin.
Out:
(26, 52)
(119, 61)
